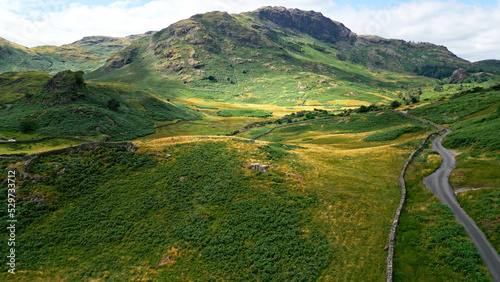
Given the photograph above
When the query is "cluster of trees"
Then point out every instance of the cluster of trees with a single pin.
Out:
(434, 71)
(411, 97)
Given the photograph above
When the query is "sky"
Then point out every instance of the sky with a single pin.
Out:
(468, 28)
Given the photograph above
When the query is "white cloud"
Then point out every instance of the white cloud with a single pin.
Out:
(469, 31)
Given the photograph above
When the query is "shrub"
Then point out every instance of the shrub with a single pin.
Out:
(27, 125)
(395, 104)
(113, 104)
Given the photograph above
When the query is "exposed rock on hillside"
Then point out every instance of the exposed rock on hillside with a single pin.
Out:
(459, 75)
(309, 22)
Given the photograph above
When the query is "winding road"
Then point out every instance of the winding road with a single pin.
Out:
(439, 184)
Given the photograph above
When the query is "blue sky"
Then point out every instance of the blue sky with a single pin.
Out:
(469, 28)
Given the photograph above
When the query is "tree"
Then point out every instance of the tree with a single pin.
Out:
(415, 99)
(27, 125)
(310, 115)
(113, 104)
(363, 109)
(395, 104)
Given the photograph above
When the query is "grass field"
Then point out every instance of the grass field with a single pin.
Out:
(87, 111)
(188, 205)
(236, 223)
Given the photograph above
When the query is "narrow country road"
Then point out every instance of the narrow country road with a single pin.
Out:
(439, 184)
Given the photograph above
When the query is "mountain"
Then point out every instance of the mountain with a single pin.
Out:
(86, 54)
(289, 31)
(282, 56)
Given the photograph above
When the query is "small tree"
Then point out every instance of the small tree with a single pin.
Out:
(395, 104)
(27, 125)
(113, 104)
(363, 109)
(310, 115)
(415, 99)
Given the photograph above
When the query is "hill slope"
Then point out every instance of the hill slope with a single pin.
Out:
(86, 54)
(65, 105)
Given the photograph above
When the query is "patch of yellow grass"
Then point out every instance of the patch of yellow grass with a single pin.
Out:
(170, 257)
(161, 143)
(349, 103)
(278, 111)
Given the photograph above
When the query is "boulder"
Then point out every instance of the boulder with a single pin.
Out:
(261, 167)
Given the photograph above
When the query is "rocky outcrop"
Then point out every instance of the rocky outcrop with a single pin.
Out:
(310, 22)
(459, 75)
(261, 167)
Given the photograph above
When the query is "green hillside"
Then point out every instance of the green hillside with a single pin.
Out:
(86, 55)
(66, 106)
(14, 85)
(489, 65)
(195, 208)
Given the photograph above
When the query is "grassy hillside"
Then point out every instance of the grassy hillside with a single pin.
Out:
(489, 65)
(86, 54)
(193, 208)
(189, 206)
(473, 115)
(69, 109)
(14, 85)
(193, 216)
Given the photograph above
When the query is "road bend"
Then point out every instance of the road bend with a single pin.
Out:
(439, 184)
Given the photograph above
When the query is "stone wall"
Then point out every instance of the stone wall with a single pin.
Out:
(402, 184)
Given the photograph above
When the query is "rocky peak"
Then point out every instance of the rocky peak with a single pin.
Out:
(310, 22)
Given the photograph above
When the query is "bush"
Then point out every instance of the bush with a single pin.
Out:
(27, 125)
(395, 104)
(113, 104)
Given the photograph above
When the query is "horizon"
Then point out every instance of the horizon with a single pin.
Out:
(438, 22)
